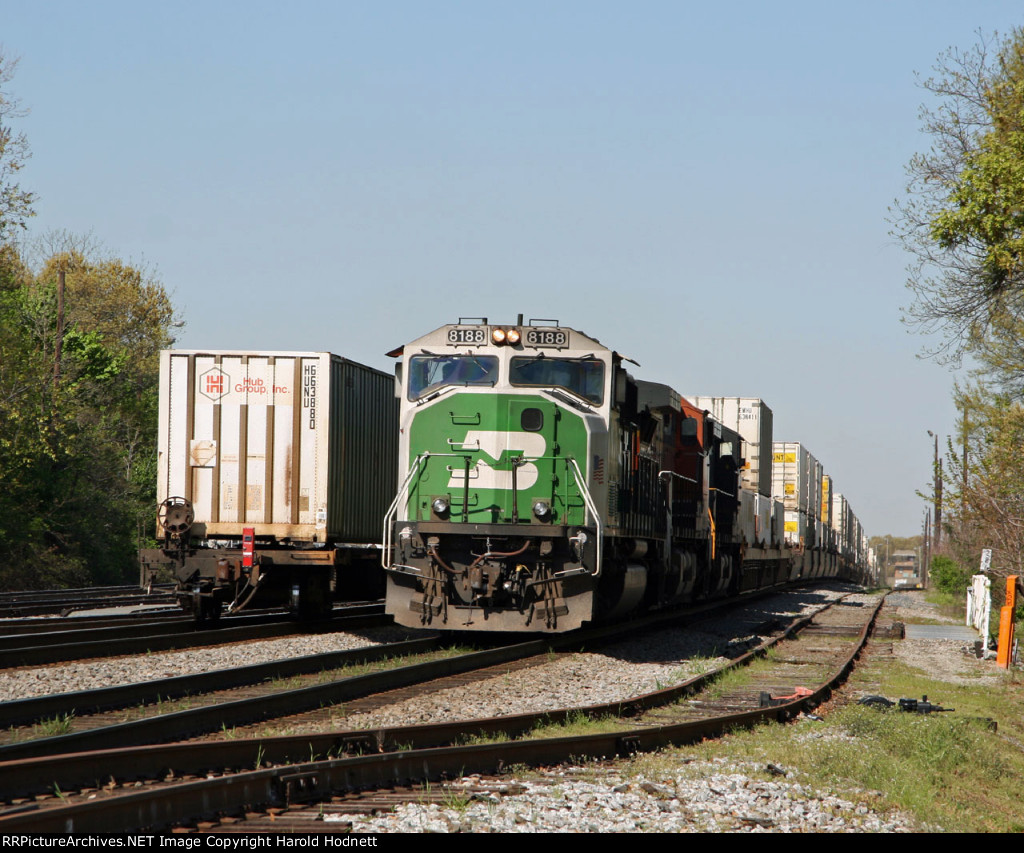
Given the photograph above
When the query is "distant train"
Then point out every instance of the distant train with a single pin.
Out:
(542, 487)
(273, 472)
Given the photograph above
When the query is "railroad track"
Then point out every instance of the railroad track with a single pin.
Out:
(278, 772)
(35, 648)
(34, 603)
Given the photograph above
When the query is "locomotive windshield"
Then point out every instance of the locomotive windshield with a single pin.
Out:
(428, 373)
(584, 377)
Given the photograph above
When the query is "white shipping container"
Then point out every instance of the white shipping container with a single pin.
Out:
(292, 444)
(816, 474)
(752, 419)
(792, 474)
(755, 518)
(826, 500)
(796, 527)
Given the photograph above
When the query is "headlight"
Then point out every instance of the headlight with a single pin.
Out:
(512, 336)
(541, 509)
(498, 336)
(440, 506)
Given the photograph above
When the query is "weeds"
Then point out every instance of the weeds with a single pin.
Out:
(59, 725)
(455, 800)
(949, 771)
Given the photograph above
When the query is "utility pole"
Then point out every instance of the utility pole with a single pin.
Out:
(963, 490)
(937, 488)
(927, 542)
(60, 329)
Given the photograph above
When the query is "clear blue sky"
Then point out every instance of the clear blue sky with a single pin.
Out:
(701, 186)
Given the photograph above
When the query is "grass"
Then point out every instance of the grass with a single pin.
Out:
(448, 797)
(948, 604)
(577, 724)
(730, 679)
(949, 771)
(59, 725)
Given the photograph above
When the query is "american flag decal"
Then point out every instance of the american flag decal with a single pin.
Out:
(598, 469)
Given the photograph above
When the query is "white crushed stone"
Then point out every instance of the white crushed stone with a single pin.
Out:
(947, 660)
(148, 666)
(616, 673)
(714, 796)
(696, 797)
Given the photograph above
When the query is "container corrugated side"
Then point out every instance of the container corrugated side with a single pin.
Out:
(815, 473)
(250, 438)
(364, 450)
(752, 419)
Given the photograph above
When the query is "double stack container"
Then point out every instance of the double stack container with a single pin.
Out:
(752, 419)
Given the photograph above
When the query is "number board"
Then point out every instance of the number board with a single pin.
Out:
(464, 335)
(538, 337)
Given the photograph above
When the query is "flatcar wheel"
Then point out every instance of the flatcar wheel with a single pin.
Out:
(314, 596)
(207, 613)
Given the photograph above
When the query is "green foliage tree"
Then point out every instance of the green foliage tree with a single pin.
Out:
(78, 443)
(15, 203)
(962, 219)
(947, 575)
(985, 498)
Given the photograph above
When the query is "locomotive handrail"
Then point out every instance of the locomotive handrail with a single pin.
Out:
(677, 476)
(393, 509)
(417, 468)
(414, 470)
(582, 483)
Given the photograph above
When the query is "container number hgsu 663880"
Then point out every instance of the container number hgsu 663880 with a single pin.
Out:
(466, 336)
(547, 338)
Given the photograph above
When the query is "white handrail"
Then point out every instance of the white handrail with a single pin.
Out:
(385, 559)
(589, 500)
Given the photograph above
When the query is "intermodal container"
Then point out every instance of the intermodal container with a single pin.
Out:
(301, 446)
(752, 419)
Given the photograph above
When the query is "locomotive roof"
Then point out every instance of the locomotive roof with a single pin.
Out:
(578, 339)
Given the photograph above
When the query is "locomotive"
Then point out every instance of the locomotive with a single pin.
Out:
(542, 486)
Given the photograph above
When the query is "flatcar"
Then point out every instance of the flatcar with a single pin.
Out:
(541, 487)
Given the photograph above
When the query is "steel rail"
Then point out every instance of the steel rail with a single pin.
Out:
(33, 652)
(84, 702)
(162, 807)
(205, 719)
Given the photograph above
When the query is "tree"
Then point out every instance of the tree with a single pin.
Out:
(985, 500)
(963, 216)
(15, 203)
(78, 445)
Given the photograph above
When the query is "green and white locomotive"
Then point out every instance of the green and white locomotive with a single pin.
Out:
(542, 487)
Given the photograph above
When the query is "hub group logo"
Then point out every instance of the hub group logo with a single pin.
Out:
(214, 383)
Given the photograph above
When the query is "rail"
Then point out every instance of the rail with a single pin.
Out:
(368, 760)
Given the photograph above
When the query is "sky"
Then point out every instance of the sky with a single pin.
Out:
(703, 187)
